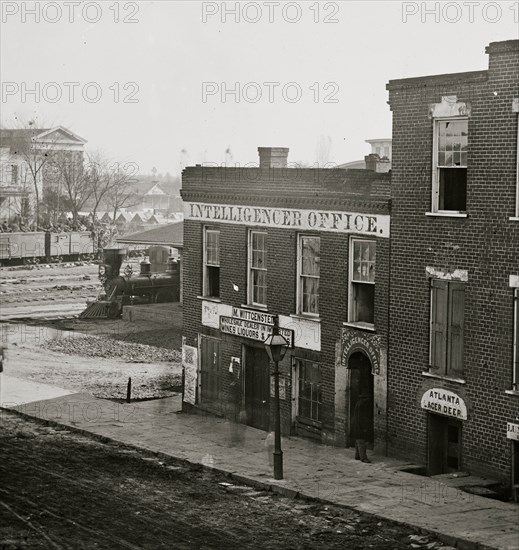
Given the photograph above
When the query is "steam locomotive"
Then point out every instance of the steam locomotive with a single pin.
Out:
(129, 289)
(38, 246)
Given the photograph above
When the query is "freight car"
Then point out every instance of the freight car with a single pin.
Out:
(142, 288)
(40, 246)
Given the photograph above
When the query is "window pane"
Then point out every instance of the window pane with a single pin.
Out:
(310, 295)
(453, 189)
(212, 248)
(309, 275)
(258, 268)
(212, 263)
(364, 254)
(258, 250)
(259, 286)
(310, 256)
(364, 303)
(452, 138)
(309, 389)
(213, 281)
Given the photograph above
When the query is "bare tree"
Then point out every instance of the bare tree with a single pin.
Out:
(122, 191)
(100, 179)
(72, 178)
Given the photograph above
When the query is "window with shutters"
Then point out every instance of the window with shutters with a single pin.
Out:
(210, 376)
(211, 280)
(362, 282)
(309, 254)
(517, 168)
(257, 268)
(447, 327)
(516, 341)
(450, 166)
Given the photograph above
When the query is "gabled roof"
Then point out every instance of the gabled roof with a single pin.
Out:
(143, 187)
(10, 136)
(171, 234)
(46, 133)
(155, 189)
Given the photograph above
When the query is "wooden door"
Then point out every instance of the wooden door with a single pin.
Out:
(443, 445)
(453, 446)
(361, 382)
(435, 445)
(257, 387)
(210, 370)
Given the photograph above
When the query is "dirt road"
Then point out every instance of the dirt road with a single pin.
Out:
(67, 491)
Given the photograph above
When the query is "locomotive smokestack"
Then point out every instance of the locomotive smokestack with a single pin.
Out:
(114, 258)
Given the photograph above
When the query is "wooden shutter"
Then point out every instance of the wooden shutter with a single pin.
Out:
(439, 299)
(456, 326)
(515, 376)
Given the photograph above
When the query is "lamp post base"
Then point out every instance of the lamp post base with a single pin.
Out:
(278, 464)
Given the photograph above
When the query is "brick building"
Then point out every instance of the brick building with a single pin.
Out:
(454, 337)
(303, 244)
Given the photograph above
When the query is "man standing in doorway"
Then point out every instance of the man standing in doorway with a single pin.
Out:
(362, 426)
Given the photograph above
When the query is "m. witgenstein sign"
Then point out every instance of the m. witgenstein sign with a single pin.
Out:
(252, 329)
(290, 218)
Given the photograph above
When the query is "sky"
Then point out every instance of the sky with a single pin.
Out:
(170, 83)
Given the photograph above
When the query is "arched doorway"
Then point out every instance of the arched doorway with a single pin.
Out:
(361, 382)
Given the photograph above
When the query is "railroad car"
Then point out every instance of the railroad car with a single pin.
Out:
(43, 246)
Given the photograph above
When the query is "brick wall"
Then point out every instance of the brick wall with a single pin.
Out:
(338, 190)
(486, 244)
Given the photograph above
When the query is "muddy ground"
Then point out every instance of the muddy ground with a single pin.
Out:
(68, 491)
(47, 344)
(98, 361)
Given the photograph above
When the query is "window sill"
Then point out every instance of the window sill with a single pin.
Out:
(443, 377)
(445, 214)
(514, 218)
(303, 317)
(309, 422)
(210, 299)
(255, 306)
(361, 326)
(512, 392)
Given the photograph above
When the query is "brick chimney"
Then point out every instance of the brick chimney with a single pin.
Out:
(273, 157)
(377, 164)
(503, 56)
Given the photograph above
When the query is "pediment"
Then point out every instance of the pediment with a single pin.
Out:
(60, 135)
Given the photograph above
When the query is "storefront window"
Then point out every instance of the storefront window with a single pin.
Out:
(309, 394)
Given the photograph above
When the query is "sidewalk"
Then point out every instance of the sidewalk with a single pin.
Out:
(313, 470)
(17, 391)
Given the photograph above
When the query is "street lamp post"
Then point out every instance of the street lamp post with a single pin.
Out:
(276, 347)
